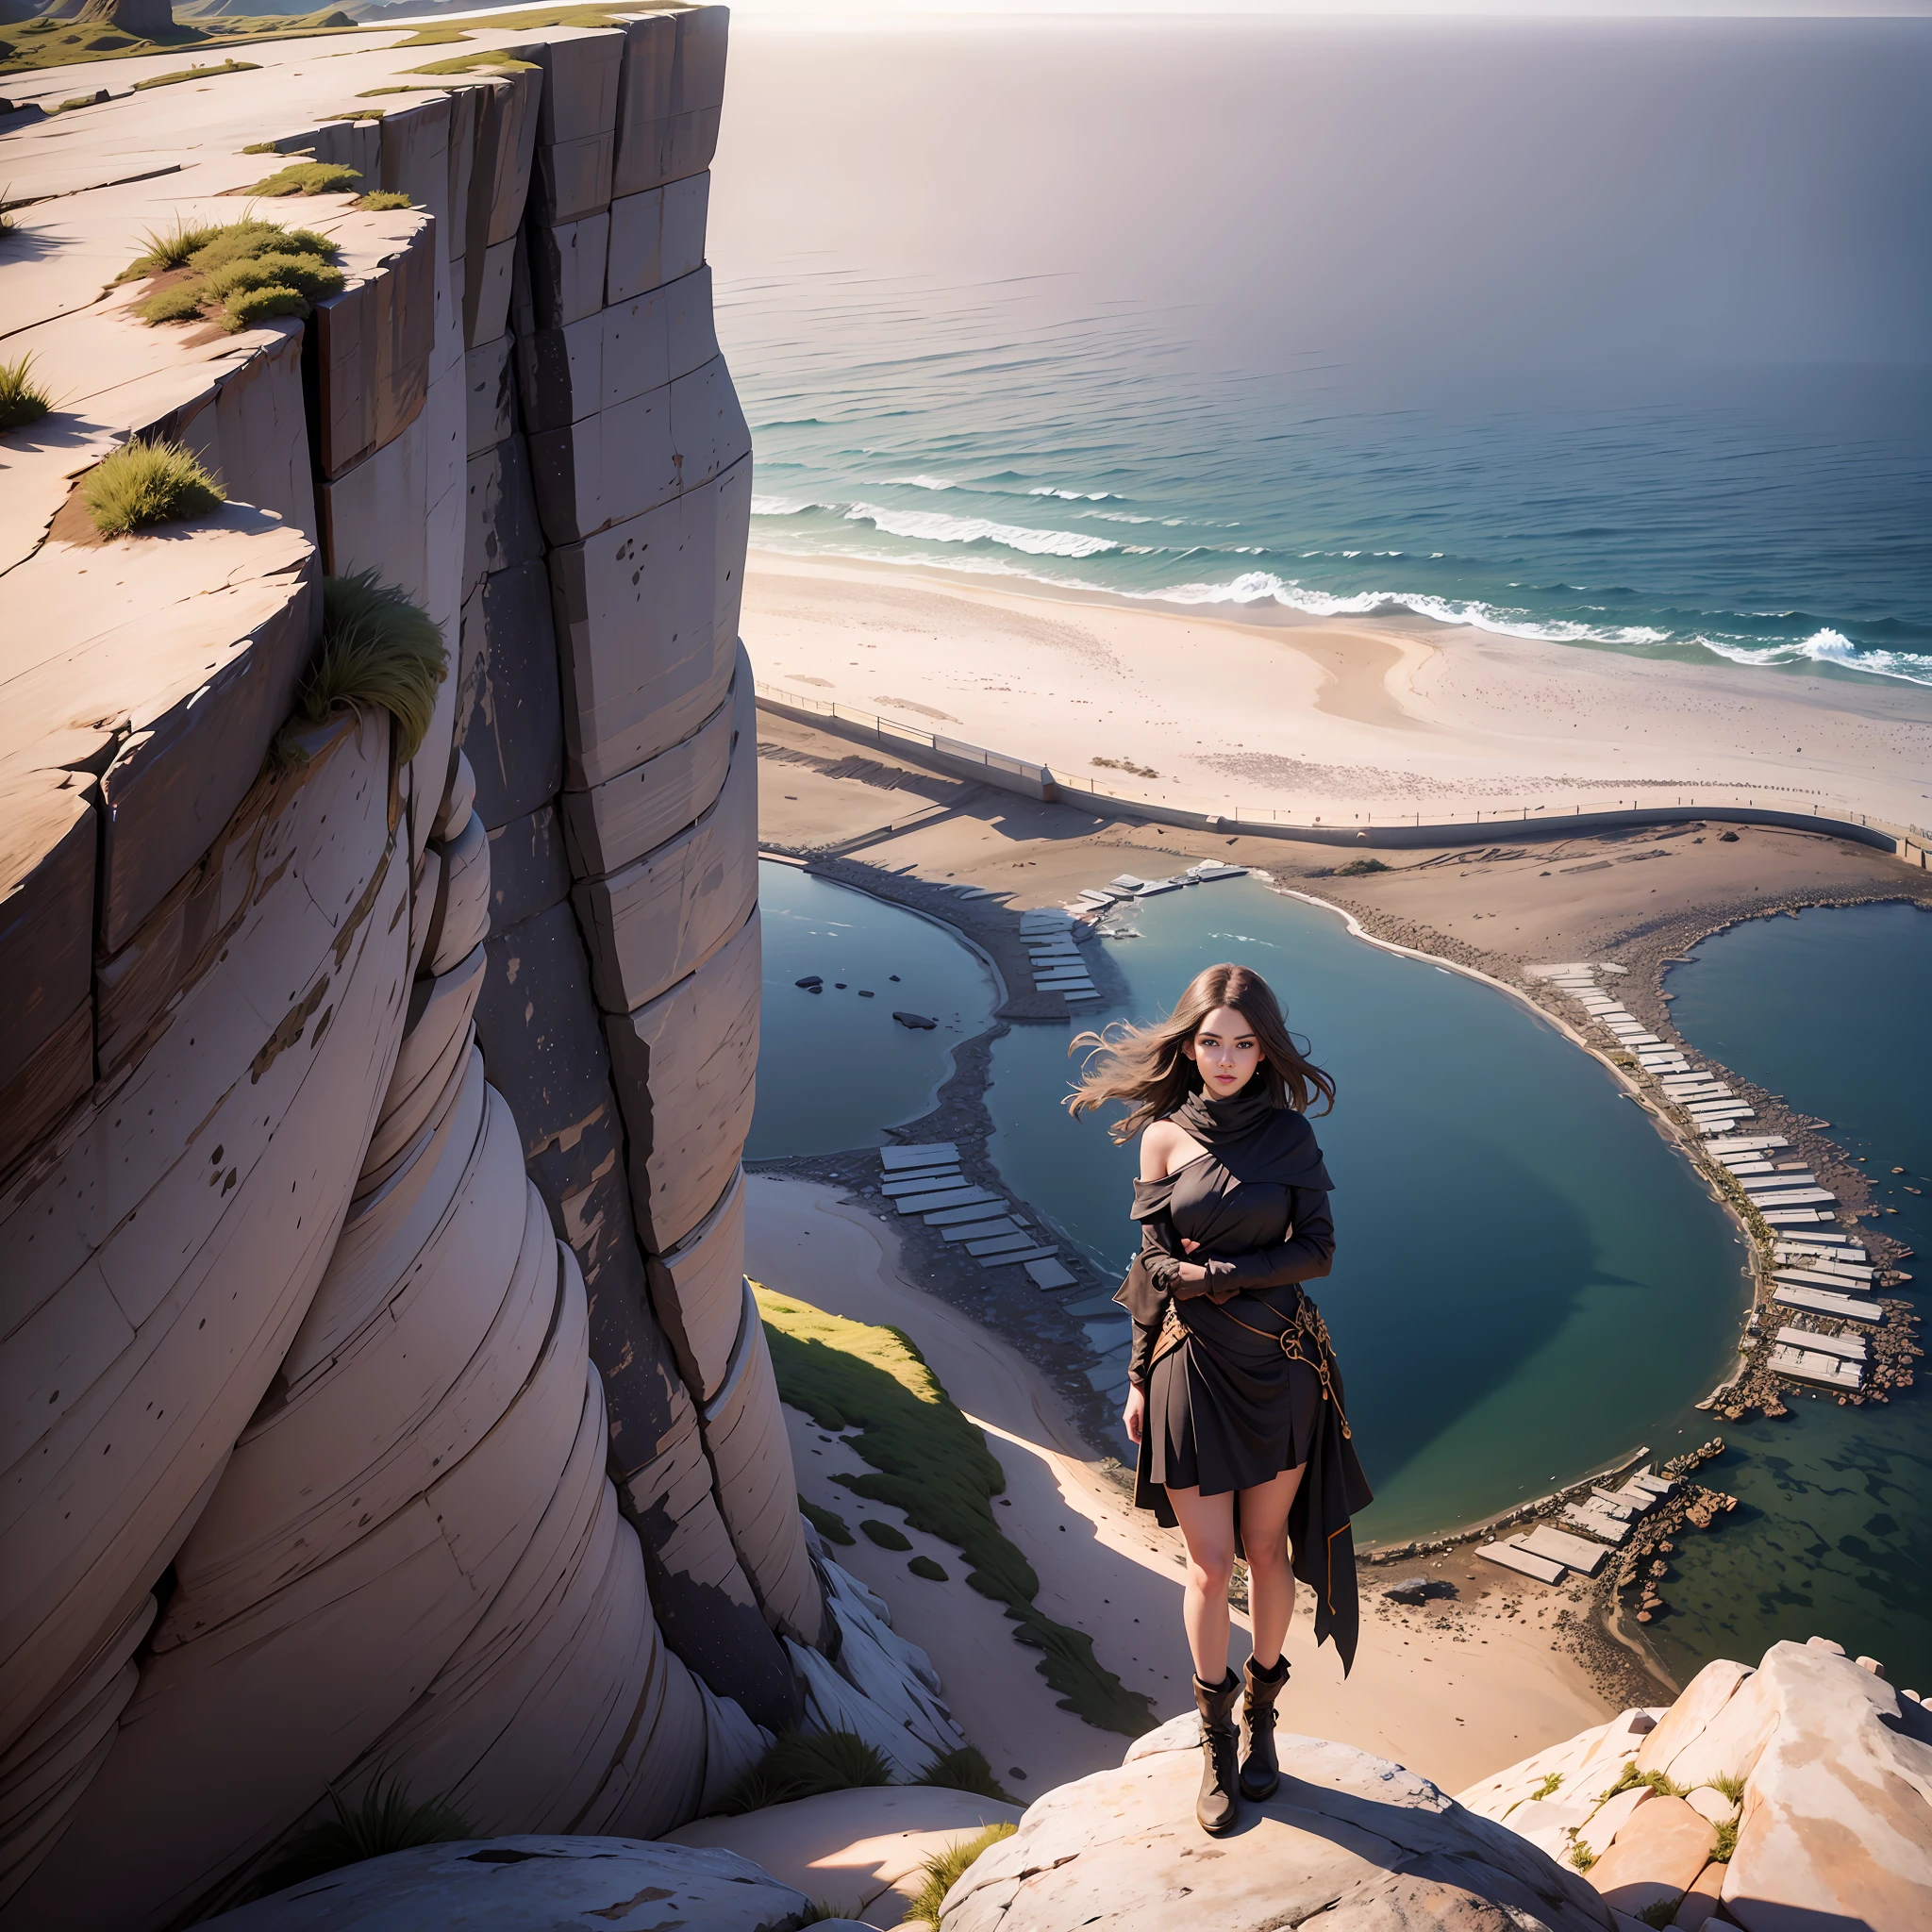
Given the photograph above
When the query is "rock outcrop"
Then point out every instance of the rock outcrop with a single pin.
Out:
(1350, 1841)
(385, 1400)
(1798, 1794)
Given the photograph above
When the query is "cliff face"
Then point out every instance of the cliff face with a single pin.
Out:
(384, 1396)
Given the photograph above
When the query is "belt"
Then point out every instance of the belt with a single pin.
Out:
(1304, 1340)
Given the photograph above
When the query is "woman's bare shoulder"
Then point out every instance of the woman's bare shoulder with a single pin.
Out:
(1159, 1143)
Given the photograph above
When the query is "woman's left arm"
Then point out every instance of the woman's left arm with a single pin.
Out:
(1304, 1256)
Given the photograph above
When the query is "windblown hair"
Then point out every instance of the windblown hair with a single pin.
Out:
(1145, 1067)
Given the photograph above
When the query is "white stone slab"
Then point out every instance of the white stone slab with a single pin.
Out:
(1523, 1561)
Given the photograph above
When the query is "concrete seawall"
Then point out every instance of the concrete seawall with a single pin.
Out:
(1006, 773)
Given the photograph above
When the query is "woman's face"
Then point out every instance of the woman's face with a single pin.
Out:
(1225, 1050)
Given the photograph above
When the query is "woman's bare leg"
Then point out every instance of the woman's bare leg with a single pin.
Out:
(1207, 1523)
(1271, 1582)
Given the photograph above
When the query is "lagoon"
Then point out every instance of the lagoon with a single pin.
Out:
(835, 1069)
(1835, 1533)
(1529, 1282)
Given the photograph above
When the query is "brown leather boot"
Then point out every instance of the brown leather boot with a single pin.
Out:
(1260, 1774)
(1215, 1808)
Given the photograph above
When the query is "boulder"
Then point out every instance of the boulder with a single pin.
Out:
(1655, 1853)
(529, 1883)
(1358, 1839)
(1703, 1698)
(1838, 1814)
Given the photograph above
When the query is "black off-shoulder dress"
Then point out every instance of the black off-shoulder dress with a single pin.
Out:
(1240, 1381)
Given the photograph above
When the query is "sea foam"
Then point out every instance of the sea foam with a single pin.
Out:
(933, 527)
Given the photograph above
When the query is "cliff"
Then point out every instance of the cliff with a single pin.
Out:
(385, 1398)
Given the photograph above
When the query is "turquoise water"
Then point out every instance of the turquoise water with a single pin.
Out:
(1832, 1010)
(834, 1070)
(1594, 332)
(1529, 1283)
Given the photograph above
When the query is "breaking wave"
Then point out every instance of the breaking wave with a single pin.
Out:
(933, 527)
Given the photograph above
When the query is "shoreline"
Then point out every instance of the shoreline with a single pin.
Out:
(1269, 614)
(1485, 912)
(1353, 717)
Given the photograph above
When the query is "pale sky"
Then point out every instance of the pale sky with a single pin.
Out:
(805, 12)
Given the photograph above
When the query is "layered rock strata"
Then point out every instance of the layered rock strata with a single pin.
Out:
(385, 1397)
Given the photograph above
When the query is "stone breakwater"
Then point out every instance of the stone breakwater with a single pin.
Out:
(386, 1401)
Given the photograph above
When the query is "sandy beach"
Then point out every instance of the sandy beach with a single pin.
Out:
(1332, 718)
(1458, 1687)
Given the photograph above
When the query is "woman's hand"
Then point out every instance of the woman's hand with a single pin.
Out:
(1134, 1417)
(1191, 1272)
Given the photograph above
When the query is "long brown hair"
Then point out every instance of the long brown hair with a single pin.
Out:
(1145, 1066)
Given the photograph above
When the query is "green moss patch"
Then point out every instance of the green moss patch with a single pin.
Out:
(473, 63)
(928, 1461)
(380, 199)
(237, 276)
(198, 74)
(885, 1534)
(306, 177)
(39, 42)
(828, 1522)
(925, 1567)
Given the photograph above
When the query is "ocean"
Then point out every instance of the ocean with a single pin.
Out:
(1617, 334)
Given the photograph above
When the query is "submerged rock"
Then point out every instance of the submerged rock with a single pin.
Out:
(917, 1022)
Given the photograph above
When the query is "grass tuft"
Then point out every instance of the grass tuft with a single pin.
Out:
(885, 1534)
(828, 1522)
(380, 198)
(1660, 1913)
(384, 1822)
(308, 177)
(966, 1770)
(263, 147)
(1731, 1788)
(807, 1765)
(379, 647)
(1581, 1855)
(23, 401)
(931, 1463)
(142, 484)
(945, 1869)
(1726, 1842)
(233, 273)
(249, 307)
(168, 248)
(1662, 1785)
(925, 1567)
(1549, 1788)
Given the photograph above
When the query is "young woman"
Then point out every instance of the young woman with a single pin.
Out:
(1235, 1400)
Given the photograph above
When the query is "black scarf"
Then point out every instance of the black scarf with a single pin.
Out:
(1219, 1123)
